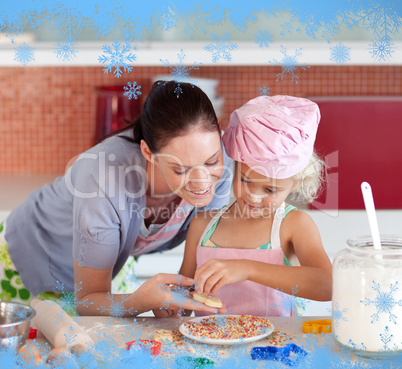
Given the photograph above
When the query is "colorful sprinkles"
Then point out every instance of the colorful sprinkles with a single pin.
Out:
(228, 327)
(278, 338)
(167, 336)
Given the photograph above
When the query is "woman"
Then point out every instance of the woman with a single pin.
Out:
(132, 194)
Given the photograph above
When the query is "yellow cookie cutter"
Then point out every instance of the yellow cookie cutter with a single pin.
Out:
(317, 326)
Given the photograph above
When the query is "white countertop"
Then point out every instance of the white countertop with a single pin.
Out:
(246, 53)
(14, 189)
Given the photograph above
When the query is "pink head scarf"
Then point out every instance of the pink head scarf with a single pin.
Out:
(273, 135)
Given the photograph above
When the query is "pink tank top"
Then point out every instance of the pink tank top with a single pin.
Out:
(249, 297)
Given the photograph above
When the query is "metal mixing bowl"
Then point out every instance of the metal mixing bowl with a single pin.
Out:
(15, 320)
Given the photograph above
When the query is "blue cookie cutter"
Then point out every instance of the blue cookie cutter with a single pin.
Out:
(281, 354)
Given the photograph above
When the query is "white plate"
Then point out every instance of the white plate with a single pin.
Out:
(218, 341)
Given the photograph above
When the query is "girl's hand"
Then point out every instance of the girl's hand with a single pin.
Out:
(216, 273)
(156, 293)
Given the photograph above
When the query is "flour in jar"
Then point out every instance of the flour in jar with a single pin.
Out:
(367, 308)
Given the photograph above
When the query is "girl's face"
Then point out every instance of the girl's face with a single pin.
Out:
(259, 196)
(190, 166)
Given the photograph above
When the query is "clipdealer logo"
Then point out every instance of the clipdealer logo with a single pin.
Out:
(108, 176)
(125, 182)
(131, 182)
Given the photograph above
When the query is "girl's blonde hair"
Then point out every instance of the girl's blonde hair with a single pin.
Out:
(311, 179)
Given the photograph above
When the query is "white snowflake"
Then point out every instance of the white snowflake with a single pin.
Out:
(263, 38)
(384, 302)
(265, 90)
(340, 53)
(24, 54)
(180, 72)
(289, 64)
(116, 58)
(65, 50)
(220, 49)
(381, 50)
(133, 91)
(337, 314)
(117, 308)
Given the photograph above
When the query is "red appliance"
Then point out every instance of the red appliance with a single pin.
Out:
(112, 106)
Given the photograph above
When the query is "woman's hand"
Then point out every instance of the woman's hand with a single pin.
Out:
(166, 313)
(216, 273)
(156, 295)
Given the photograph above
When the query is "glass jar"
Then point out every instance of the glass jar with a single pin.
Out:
(367, 296)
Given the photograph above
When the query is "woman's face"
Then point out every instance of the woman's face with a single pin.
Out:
(259, 196)
(191, 166)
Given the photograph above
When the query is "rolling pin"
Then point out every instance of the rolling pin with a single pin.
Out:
(59, 328)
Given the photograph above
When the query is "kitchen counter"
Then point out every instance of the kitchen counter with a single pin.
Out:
(111, 334)
(14, 189)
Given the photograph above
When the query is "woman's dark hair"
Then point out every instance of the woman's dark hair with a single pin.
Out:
(168, 112)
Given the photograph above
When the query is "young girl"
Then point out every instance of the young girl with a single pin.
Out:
(259, 245)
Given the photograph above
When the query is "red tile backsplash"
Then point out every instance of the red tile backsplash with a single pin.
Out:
(47, 114)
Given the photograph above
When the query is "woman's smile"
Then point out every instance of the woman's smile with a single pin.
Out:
(200, 194)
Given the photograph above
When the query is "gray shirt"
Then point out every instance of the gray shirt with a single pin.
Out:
(93, 213)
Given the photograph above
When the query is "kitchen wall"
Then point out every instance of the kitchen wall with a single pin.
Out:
(47, 114)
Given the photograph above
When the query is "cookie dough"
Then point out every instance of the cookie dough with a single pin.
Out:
(167, 336)
(209, 300)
